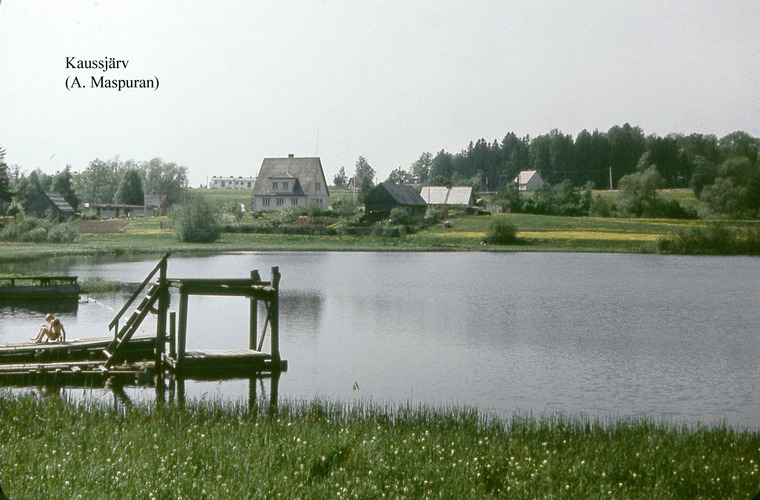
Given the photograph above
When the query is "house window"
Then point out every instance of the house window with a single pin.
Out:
(249, 184)
(318, 186)
(285, 185)
(280, 201)
(294, 201)
(275, 185)
(265, 202)
(222, 183)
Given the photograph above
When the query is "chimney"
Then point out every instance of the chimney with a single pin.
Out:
(290, 155)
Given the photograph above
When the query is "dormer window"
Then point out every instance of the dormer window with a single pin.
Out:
(285, 185)
(275, 185)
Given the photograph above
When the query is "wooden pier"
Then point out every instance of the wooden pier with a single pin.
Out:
(34, 288)
(146, 359)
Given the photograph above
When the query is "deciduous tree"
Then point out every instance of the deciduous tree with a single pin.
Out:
(63, 184)
(420, 169)
(130, 191)
(363, 171)
(169, 179)
(6, 194)
(340, 180)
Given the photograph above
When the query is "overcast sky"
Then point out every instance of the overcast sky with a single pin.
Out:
(240, 81)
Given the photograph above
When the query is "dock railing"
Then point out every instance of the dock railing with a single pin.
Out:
(161, 266)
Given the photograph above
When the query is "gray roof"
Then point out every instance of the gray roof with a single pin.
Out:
(459, 195)
(441, 195)
(155, 200)
(403, 195)
(307, 171)
(59, 201)
(435, 195)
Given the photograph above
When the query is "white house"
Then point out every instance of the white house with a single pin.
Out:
(290, 182)
(528, 180)
(232, 182)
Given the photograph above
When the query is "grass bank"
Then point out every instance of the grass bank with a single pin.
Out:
(50, 448)
(464, 233)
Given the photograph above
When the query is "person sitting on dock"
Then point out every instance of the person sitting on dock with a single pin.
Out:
(53, 331)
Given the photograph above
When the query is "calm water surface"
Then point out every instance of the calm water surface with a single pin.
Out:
(595, 334)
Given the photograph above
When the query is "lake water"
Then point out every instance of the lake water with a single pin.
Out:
(604, 335)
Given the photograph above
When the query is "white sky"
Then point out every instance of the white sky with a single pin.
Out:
(387, 79)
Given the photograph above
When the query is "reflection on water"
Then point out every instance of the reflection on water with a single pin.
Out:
(601, 335)
(11, 307)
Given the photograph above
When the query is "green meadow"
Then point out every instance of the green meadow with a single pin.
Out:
(53, 448)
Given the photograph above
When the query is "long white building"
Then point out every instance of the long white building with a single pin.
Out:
(232, 183)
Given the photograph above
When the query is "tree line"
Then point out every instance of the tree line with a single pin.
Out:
(103, 181)
(723, 172)
(586, 158)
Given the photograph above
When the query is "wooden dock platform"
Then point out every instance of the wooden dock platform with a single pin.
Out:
(71, 351)
(226, 361)
(77, 362)
(129, 356)
(34, 288)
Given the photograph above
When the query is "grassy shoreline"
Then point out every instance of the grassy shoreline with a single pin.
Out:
(328, 450)
(536, 233)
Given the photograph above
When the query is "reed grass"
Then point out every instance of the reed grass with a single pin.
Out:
(100, 285)
(54, 448)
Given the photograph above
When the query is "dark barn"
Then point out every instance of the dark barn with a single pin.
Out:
(385, 197)
(48, 202)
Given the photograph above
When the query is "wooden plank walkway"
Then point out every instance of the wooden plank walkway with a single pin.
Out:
(225, 361)
(73, 352)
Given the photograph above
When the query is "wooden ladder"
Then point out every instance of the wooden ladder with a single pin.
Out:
(117, 345)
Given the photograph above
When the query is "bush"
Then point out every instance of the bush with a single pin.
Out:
(501, 232)
(436, 213)
(195, 222)
(603, 207)
(344, 207)
(288, 214)
(399, 217)
(671, 209)
(713, 240)
(314, 209)
(32, 229)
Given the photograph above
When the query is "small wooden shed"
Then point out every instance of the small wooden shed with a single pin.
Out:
(51, 202)
(159, 203)
(385, 197)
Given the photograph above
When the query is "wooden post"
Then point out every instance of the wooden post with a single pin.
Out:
(274, 318)
(182, 331)
(163, 308)
(173, 335)
(254, 321)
